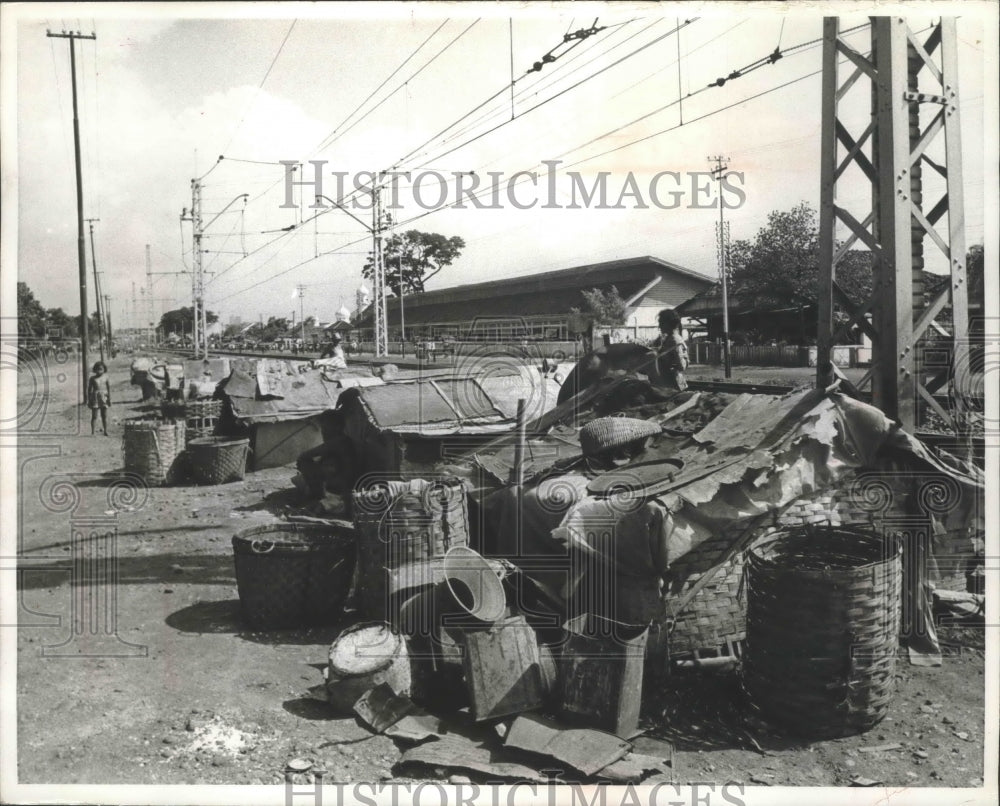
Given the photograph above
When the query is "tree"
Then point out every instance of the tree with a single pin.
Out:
(605, 308)
(780, 267)
(418, 255)
(181, 320)
(61, 323)
(276, 327)
(30, 313)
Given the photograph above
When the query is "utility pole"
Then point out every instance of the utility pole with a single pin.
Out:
(721, 164)
(107, 313)
(81, 247)
(381, 329)
(149, 294)
(302, 322)
(97, 288)
(198, 273)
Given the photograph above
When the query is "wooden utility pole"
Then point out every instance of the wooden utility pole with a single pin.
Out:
(107, 313)
(97, 288)
(81, 246)
(721, 163)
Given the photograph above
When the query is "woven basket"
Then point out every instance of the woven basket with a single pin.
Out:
(823, 617)
(202, 417)
(217, 460)
(714, 621)
(152, 449)
(605, 433)
(291, 575)
(401, 523)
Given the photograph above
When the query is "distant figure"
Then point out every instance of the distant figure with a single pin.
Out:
(671, 349)
(332, 355)
(99, 397)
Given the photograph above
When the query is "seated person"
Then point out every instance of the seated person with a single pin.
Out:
(332, 356)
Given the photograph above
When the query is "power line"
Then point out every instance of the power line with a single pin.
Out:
(399, 87)
(260, 86)
(564, 91)
(356, 109)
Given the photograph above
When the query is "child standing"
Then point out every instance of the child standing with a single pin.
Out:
(99, 397)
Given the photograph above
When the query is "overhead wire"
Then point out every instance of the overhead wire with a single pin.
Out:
(374, 92)
(399, 87)
(260, 86)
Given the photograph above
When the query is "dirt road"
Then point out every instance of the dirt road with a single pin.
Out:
(150, 677)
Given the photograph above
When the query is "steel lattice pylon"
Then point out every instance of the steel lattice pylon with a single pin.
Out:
(891, 153)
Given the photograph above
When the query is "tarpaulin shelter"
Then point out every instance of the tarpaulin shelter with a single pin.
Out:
(400, 427)
(646, 542)
(281, 407)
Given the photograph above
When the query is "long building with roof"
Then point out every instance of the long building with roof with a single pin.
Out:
(539, 305)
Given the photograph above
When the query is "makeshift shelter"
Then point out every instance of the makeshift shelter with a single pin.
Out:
(401, 426)
(661, 538)
(279, 405)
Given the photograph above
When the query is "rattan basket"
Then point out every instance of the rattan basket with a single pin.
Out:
(217, 460)
(713, 622)
(823, 613)
(292, 575)
(202, 417)
(605, 433)
(152, 448)
(401, 523)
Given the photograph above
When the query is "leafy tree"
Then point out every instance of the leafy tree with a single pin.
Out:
(181, 320)
(276, 327)
(780, 267)
(60, 322)
(417, 255)
(602, 308)
(30, 313)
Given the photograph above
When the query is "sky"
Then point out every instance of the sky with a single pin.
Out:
(164, 91)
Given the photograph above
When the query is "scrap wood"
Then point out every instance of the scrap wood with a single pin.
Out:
(381, 707)
(456, 753)
(881, 747)
(584, 749)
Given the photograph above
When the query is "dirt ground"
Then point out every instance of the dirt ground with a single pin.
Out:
(172, 689)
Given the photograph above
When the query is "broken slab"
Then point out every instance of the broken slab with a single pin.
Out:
(583, 749)
(456, 753)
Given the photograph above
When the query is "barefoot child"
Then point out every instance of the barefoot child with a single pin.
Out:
(99, 397)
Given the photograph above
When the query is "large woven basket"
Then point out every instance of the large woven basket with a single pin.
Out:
(823, 614)
(713, 622)
(402, 523)
(152, 449)
(292, 575)
(217, 460)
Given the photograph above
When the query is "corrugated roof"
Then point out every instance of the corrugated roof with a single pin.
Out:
(551, 292)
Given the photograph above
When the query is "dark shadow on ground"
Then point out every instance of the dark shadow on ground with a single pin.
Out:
(139, 569)
(310, 708)
(224, 617)
(706, 710)
(280, 502)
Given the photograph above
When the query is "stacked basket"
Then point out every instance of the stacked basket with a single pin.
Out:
(403, 523)
(202, 418)
(152, 449)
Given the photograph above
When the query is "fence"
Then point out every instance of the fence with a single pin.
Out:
(778, 355)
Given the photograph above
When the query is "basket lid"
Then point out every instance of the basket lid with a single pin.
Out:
(363, 649)
(218, 442)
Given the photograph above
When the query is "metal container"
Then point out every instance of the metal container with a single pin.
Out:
(600, 673)
(362, 657)
(503, 669)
